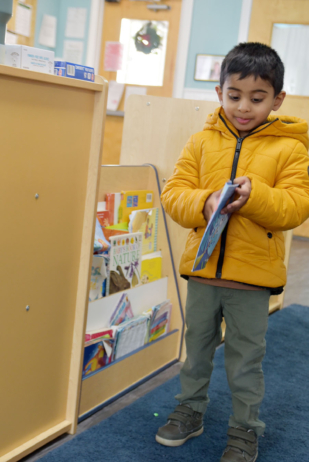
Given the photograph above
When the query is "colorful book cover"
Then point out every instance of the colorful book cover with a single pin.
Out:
(214, 228)
(97, 355)
(160, 316)
(145, 221)
(123, 311)
(133, 200)
(104, 333)
(101, 244)
(112, 201)
(124, 271)
(131, 335)
(151, 268)
(115, 230)
(98, 275)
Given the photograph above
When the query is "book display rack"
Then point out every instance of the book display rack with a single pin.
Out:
(121, 375)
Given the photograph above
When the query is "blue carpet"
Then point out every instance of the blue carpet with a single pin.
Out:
(128, 435)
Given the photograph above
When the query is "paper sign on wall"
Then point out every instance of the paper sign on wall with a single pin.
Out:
(23, 19)
(48, 31)
(115, 92)
(73, 51)
(76, 23)
(10, 38)
(113, 56)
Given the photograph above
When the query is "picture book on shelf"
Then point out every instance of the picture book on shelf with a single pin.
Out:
(160, 316)
(214, 228)
(145, 221)
(151, 268)
(97, 355)
(123, 311)
(104, 333)
(124, 271)
(103, 214)
(98, 276)
(131, 335)
(112, 203)
(133, 200)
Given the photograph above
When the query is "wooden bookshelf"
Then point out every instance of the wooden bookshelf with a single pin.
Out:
(51, 138)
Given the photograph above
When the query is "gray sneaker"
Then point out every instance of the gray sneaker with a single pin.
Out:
(242, 446)
(182, 424)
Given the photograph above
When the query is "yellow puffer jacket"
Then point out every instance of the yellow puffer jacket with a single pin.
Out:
(275, 158)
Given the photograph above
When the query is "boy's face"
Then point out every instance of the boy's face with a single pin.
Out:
(248, 102)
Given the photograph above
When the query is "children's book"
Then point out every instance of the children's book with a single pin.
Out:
(112, 203)
(101, 244)
(133, 200)
(97, 355)
(98, 275)
(131, 335)
(214, 228)
(151, 268)
(115, 230)
(103, 214)
(124, 271)
(159, 320)
(123, 311)
(104, 333)
(145, 221)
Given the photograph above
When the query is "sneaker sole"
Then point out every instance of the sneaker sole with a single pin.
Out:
(174, 443)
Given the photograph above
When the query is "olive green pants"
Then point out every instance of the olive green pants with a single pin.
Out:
(246, 316)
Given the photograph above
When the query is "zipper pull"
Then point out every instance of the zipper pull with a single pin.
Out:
(239, 143)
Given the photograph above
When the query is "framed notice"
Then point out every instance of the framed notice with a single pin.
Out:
(208, 67)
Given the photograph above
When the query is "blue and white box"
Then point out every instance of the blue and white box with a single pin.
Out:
(74, 71)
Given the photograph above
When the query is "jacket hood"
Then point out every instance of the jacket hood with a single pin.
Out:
(284, 126)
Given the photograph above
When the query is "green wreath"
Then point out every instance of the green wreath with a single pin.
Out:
(147, 39)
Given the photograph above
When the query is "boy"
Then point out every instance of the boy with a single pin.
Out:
(267, 156)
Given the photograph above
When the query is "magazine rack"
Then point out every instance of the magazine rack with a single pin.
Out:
(155, 131)
(120, 376)
(51, 137)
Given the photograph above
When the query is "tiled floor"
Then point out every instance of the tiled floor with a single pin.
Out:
(297, 291)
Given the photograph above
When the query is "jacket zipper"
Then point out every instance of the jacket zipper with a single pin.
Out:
(233, 176)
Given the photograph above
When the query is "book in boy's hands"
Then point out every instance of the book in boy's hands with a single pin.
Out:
(125, 262)
(214, 228)
(145, 221)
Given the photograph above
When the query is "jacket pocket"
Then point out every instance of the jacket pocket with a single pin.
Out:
(273, 254)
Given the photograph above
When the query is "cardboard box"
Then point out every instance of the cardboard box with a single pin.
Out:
(74, 71)
(30, 58)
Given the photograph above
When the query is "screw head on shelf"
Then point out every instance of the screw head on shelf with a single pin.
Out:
(163, 180)
(148, 103)
(197, 108)
(27, 307)
(36, 196)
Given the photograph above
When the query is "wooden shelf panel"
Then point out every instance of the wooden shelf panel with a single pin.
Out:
(104, 385)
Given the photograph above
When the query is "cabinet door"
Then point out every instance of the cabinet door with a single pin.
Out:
(264, 15)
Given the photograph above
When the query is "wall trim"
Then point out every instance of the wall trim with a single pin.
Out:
(244, 22)
(95, 34)
(183, 47)
(200, 94)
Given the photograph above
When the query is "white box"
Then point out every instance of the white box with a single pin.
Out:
(30, 58)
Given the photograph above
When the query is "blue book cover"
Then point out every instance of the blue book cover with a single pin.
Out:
(214, 228)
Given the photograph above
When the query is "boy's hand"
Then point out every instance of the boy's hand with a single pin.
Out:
(243, 191)
(211, 205)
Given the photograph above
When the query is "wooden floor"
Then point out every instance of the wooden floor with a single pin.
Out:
(297, 291)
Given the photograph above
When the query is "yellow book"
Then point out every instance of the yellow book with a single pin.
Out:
(146, 222)
(133, 200)
(151, 268)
